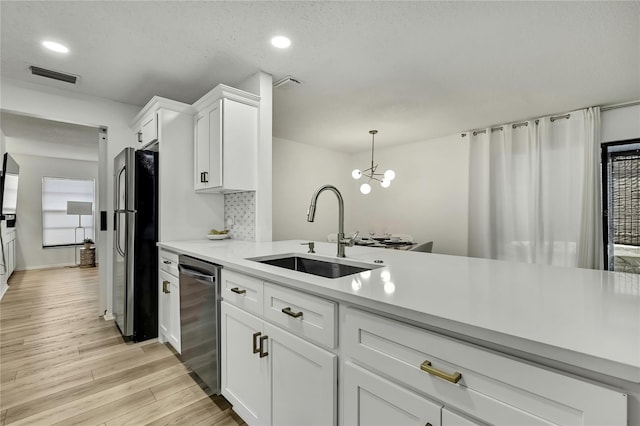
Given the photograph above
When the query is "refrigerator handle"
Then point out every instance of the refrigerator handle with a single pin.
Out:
(116, 227)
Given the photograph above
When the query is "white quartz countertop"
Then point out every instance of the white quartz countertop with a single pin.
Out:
(579, 317)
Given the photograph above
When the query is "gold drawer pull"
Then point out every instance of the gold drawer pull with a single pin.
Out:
(453, 378)
(165, 286)
(289, 312)
(238, 291)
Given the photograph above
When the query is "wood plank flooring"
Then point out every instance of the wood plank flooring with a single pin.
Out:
(61, 364)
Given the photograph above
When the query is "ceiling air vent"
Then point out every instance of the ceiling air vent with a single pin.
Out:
(283, 82)
(43, 72)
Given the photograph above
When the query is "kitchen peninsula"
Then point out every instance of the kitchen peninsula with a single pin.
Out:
(460, 340)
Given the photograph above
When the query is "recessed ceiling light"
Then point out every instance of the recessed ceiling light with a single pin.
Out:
(281, 42)
(56, 47)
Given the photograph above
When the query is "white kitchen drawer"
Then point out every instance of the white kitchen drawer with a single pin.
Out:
(308, 316)
(493, 388)
(242, 291)
(169, 262)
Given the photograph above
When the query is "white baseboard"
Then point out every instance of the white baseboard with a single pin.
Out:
(33, 268)
(59, 265)
(108, 316)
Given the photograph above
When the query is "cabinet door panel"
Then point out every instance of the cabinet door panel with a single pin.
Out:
(244, 373)
(240, 131)
(174, 316)
(215, 146)
(149, 129)
(201, 151)
(303, 380)
(164, 306)
(372, 400)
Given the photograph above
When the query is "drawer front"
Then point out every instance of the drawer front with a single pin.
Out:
(492, 388)
(169, 262)
(303, 314)
(242, 291)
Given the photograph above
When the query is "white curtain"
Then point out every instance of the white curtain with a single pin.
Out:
(534, 191)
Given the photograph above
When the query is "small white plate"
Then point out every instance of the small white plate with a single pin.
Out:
(217, 236)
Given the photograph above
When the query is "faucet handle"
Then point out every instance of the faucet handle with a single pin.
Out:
(350, 241)
(311, 245)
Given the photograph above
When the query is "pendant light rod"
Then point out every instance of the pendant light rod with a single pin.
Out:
(373, 136)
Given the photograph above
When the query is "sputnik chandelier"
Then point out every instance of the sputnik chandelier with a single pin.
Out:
(370, 173)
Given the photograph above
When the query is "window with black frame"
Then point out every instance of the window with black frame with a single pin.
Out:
(621, 205)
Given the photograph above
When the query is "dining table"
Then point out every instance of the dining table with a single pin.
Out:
(385, 242)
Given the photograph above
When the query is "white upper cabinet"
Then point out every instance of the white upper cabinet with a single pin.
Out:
(148, 130)
(149, 122)
(226, 141)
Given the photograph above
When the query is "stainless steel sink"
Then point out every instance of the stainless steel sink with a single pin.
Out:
(328, 268)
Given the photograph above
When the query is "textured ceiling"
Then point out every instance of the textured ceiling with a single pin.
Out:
(412, 70)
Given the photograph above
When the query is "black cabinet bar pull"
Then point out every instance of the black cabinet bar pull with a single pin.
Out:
(263, 353)
(289, 312)
(255, 342)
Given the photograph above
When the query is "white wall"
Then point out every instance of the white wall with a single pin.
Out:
(298, 170)
(261, 84)
(620, 124)
(428, 198)
(61, 105)
(29, 251)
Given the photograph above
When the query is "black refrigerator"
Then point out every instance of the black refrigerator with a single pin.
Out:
(135, 254)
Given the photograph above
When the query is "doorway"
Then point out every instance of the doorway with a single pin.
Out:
(53, 151)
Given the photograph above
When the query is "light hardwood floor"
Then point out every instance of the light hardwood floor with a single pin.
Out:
(62, 364)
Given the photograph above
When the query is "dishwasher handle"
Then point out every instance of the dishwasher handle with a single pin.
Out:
(193, 274)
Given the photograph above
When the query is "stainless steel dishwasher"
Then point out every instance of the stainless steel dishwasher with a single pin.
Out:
(200, 319)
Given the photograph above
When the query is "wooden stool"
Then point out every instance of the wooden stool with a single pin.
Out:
(87, 257)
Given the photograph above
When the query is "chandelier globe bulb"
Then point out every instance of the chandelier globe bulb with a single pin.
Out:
(390, 175)
(365, 188)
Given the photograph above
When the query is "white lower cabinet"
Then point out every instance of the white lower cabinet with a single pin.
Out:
(468, 381)
(279, 367)
(244, 373)
(303, 380)
(272, 377)
(164, 307)
(169, 300)
(371, 400)
(174, 309)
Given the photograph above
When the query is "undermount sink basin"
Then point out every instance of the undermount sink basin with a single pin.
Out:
(328, 268)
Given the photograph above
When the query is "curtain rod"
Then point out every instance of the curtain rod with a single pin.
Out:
(515, 125)
(554, 118)
(622, 105)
